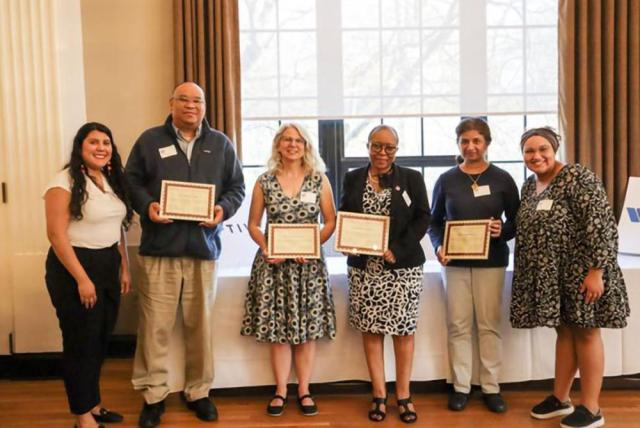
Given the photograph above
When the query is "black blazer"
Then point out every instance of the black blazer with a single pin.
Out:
(409, 223)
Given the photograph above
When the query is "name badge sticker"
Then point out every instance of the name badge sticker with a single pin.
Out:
(168, 151)
(481, 191)
(544, 205)
(407, 199)
(308, 197)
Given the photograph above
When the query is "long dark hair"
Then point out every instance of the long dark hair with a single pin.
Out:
(115, 174)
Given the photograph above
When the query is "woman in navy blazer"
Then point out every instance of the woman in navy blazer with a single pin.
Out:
(384, 292)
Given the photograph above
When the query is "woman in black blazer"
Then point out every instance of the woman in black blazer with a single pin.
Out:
(384, 292)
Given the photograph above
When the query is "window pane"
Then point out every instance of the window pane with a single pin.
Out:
(362, 106)
(361, 62)
(251, 176)
(440, 105)
(431, 175)
(440, 62)
(401, 105)
(257, 14)
(257, 137)
(360, 13)
(297, 14)
(505, 103)
(401, 62)
(296, 107)
(516, 170)
(260, 108)
(542, 12)
(505, 12)
(505, 134)
(538, 120)
(437, 13)
(542, 102)
(400, 13)
(542, 60)
(504, 61)
(409, 133)
(355, 136)
(440, 136)
(259, 65)
(298, 66)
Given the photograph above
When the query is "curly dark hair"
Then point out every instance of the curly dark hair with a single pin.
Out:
(115, 175)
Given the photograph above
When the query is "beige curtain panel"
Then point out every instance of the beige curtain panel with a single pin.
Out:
(599, 50)
(207, 51)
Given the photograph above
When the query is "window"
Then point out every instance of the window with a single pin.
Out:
(341, 66)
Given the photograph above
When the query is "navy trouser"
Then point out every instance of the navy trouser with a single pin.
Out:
(85, 331)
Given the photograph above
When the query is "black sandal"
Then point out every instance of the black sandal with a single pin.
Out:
(276, 410)
(408, 416)
(376, 414)
(309, 410)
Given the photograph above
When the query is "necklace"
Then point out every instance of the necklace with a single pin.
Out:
(372, 178)
(474, 181)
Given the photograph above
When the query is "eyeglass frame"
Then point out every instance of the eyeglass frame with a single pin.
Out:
(382, 147)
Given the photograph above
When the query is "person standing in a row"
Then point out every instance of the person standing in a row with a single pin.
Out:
(384, 292)
(566, 274)
(87, 208)
(179, 258)
(475, 189)
(289, 303)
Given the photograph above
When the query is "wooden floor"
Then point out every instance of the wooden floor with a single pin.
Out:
(43, 404)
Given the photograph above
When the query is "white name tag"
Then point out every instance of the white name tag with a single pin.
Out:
(168, 151)
(544, 205)
(407, 199)
(481, 191)
(308, 197)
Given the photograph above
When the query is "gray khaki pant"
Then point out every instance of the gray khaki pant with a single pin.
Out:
(167, 285)
(474, 294)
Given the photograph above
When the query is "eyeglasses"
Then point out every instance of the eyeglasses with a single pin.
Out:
(375, 147)
(293, 140)
(187, 100)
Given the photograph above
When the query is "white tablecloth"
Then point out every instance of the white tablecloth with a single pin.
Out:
(527, 354)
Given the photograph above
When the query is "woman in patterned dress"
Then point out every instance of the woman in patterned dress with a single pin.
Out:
(288, 302)
(566, 273)
(475, 189)
(384, 292)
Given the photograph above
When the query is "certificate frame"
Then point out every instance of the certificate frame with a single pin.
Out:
(277, 251)
(477, 249)
(170, 190)
(348, 243)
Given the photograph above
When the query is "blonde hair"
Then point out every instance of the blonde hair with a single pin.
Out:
(311, 161)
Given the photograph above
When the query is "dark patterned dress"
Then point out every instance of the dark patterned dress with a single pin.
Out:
(555, 249)
(383, 301)
(289, 302)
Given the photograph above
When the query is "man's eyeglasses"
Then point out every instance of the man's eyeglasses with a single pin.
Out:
(375, 147)
(187, 100)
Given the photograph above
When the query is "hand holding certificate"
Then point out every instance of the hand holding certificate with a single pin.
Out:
(187, 201)
(362, 233)
(290, 241)
(466, 239)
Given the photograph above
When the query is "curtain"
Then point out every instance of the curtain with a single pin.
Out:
(207, 52)
(599, 50)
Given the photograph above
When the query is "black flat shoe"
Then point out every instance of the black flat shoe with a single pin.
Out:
(377, 414)
(277, 410)
(150, 414)
(408, 416)
(107, 416)
(309, 410)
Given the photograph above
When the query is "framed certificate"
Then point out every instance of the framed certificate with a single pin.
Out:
(182, 200)
(362, 233)
(288, 241)
(467, 239)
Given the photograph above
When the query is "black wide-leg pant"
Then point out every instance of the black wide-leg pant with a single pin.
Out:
(85, 331)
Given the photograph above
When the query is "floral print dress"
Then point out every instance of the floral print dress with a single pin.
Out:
(289, 302)
(560, 234)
